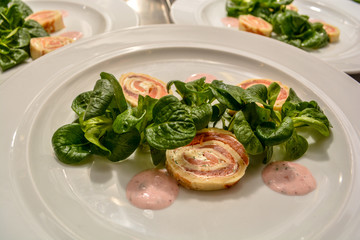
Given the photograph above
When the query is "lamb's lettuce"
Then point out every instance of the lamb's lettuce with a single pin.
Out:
(108, 126)
(16, 32)
(173, 126)
(294, 28)
(70, 145)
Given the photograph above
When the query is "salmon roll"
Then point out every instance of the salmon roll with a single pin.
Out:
(250, 23)
(214, 160)
(43, 45)
(50, 20)
(135, 84)
(283, 94)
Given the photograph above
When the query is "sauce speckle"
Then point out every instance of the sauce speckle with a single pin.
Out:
(152, 189)
(288, 178)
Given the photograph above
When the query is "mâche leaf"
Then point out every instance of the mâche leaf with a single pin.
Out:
(173, 126)
(70, 145)
(16, 32)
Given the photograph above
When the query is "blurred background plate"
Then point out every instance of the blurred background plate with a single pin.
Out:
(89, 17)
(344, 55)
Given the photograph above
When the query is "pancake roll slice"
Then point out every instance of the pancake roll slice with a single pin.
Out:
(214, 160)
(135, 84)
(250, 23)
(43, 45)
(50, 20)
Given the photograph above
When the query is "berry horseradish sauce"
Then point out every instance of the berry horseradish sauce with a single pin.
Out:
(288, 178)
(152, 189)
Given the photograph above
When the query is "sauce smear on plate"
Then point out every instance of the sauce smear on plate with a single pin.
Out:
(152, 189)
(288, 178)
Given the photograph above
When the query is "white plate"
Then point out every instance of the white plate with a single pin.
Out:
(90, 17)
(344, 55)
(41, 198)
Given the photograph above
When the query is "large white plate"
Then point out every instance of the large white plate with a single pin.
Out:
(41, 198)
(90, 17)
(344, 55)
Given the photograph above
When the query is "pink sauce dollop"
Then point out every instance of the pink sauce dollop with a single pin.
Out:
(73, 35)
(209, 77)
(288, 178)
(230, 22)
(64, 13)
(152, 189)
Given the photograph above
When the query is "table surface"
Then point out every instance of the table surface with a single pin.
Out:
(158, 12)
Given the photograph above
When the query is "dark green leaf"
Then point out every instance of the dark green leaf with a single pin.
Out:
(158, 156)
(173, 126)
(126, 121)
(245, 134)
(296, 146)
(70, 144)
(195, 92)
(81, 102)
(119, 94)
(100, 99)
(271, 135)
(35, 29)
(201, 115)
(121, 145)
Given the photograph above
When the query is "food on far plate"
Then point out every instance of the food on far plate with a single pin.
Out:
(287, 24)
(283, 94)
(135, 84)
(250, 23)
(43, 45)
(16, 32)
(50, 20)
(332, 31)
(214, 160)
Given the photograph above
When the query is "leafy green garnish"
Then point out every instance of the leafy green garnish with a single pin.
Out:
(109, 127)
(16, 32)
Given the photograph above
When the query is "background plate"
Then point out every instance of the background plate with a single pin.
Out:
(49, 200)
(89, 17)
(344, 55)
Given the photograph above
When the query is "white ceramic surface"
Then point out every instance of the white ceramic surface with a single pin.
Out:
(344, 55)
(90, 17)
(40, 198)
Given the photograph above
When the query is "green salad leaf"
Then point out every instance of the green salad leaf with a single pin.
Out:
(16, 32)
(173, 126)
(108, 126)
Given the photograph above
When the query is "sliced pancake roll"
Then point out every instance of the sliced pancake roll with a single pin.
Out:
(50, 20)
(250, 23)
(43, 45)
(135, 84)
(284, 91)
(214, 160)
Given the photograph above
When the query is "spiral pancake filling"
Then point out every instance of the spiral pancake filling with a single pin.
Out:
(135, 84)
(213, 160)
